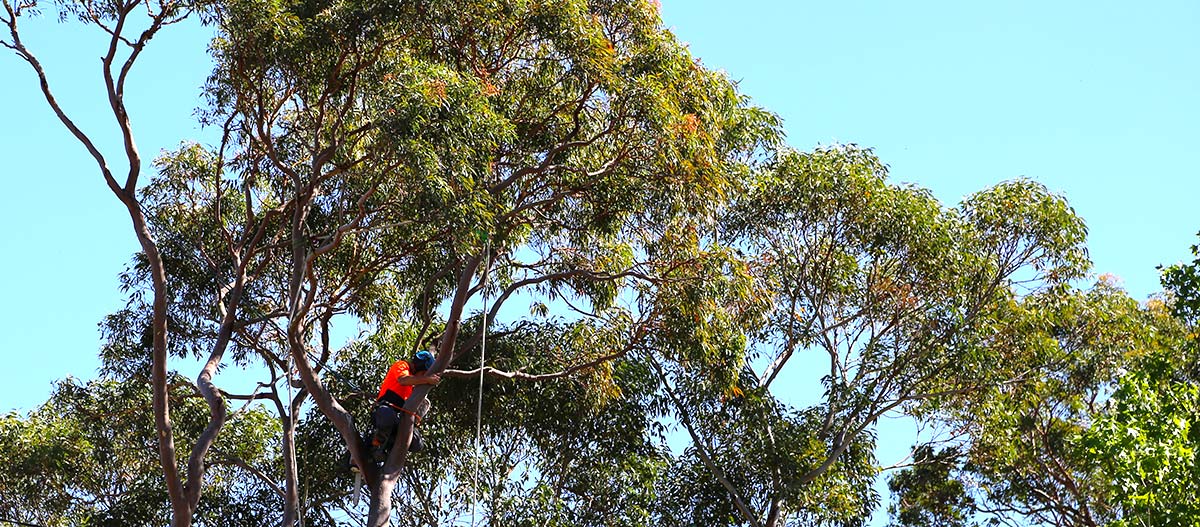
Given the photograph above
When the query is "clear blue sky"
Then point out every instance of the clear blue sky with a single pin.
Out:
(1098, 100)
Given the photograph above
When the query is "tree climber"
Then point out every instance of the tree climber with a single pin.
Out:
(395, 390)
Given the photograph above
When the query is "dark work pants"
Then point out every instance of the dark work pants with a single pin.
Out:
(387, 423)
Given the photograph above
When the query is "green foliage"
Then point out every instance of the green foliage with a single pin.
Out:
(1146, 446)
(1183, 282)
(1022, 222)
(1072, 440)
(903, 295)
(926, 494)
(664, 243)
(87, 457)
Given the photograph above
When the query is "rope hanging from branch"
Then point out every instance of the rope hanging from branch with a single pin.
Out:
(479, 403)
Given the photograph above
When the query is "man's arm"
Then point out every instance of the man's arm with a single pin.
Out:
(413, 380)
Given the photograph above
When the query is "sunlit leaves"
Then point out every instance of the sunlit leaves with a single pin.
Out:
(1049, 446)
(1146, 444)
(85, 457)
(1182, 280)
(901, 294)
(1020, 221)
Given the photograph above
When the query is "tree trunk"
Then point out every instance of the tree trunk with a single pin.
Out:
(381, 488)
(291, 501)
(774, 514)
(179, 496)
(380, 510)
(181, 511)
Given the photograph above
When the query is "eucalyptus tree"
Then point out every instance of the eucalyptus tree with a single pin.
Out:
(418, 154)
(1103, 435)
(129, 26)
(203, 243)
(1099, 436)
(895, 292)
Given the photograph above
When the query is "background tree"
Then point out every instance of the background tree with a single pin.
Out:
(130, 26)
(81, 459)
(927, 494)
(1063, 447)
(897, 291)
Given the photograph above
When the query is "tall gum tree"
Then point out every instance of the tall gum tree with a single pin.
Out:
(894, 289)
(567, 150)
(1100, 432)
(130, 26)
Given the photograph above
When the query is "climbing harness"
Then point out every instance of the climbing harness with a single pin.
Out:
(415, 415)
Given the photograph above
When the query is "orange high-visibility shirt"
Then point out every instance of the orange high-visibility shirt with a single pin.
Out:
(391, 383)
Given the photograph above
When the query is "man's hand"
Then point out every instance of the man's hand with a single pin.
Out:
(431, 380)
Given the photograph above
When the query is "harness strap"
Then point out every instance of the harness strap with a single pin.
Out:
(416, 417)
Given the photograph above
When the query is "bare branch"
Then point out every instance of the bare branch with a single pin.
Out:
(703, 450)
(540, 376)
(241, 463)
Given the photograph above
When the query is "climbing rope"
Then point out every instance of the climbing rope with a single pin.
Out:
(479, 404)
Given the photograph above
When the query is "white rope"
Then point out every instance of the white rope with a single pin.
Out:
(479, 404)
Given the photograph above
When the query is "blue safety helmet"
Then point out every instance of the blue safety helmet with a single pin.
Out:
(423, 360)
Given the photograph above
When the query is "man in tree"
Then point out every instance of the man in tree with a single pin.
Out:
(395, 390)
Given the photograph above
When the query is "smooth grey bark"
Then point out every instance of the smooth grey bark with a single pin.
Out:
(383, 486)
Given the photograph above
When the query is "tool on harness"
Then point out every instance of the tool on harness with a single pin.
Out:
(387, 423)
(399, 408)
